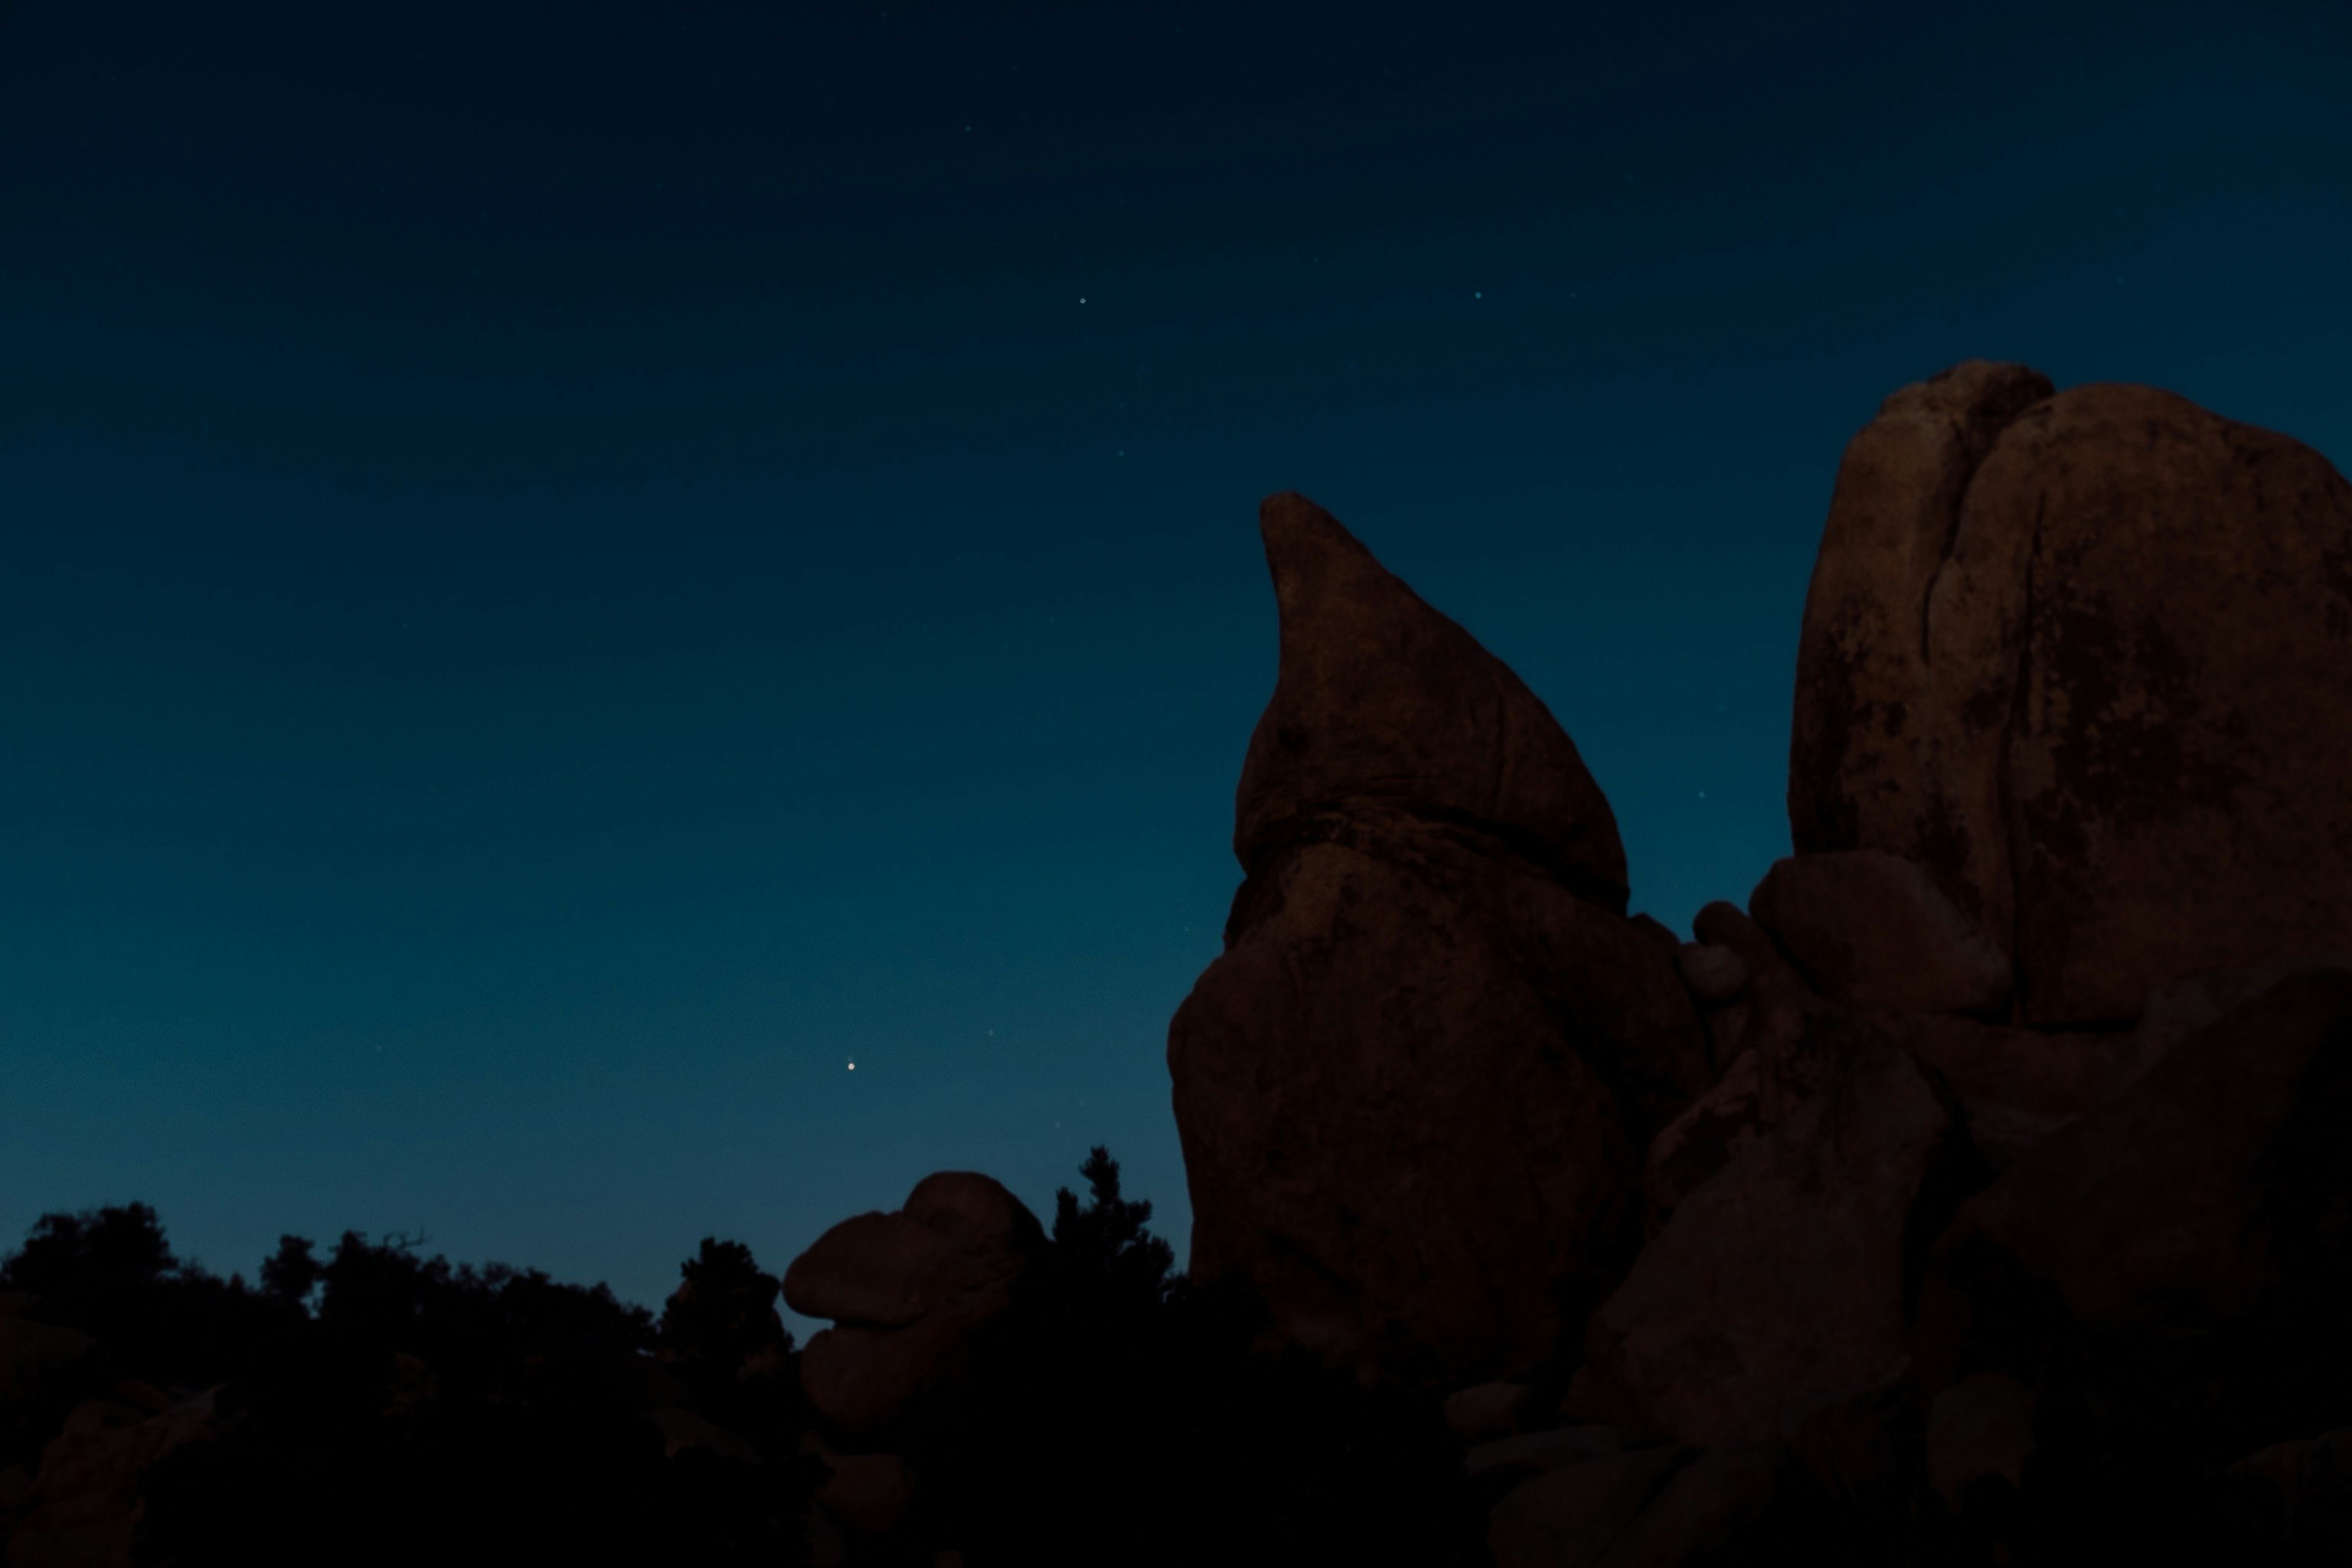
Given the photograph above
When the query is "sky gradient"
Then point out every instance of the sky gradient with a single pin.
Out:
(568, 571)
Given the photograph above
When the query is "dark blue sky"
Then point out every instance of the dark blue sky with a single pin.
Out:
(567, 570)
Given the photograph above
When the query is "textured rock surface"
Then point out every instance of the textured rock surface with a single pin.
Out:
(908, 1291)
(1715, 974)
(1381, 701)
(1708, 1507)
(682, 1429)
(1486, 1410)
(38, 1365)
(86, 1503)
(1855, 777)
(1786, 1274)
(868, 1494)
(2017, 1085)
(1413, 1090)
(2163, 1223)
(1573, 1514)
(959, 1231)
(1788, 1043)
(1533, 1453)
(1872, 931)
(2308, 1487)
(2098, 680)
(1980, 1427)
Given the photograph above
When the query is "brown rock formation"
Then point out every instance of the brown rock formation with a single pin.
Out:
(908, 1291)
(1572, 1514)
(1381, 701)
(1785, 1276)
(1780, 1045)
(86, 1504)
(1855, 779)
(2165, 1222)
(1413, 1091)
(1872, 931)
(2088, 658)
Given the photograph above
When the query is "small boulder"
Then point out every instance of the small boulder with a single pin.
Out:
(682, 1429)
(1777, 1004)
(2051, 1072)
(866, 1494)
(2306, 1486)
(1515, 1458)
(1859, 1444)
(1872, 931)
(1570, 1517)
(1716, 976)
(2017, 1085)
(1980, 1426)
(1486, 1410)
(1710, 1507)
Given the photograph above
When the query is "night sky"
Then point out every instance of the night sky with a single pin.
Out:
(569, 571)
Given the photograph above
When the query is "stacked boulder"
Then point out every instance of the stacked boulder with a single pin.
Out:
(1413, 1092)
(909, 1293)
(2086, 658)
(1999, 1151)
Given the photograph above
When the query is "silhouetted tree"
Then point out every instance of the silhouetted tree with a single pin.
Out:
(1102, 1253)
(108, 1252)
(292, 1273)
(1118, 1415)
(724, 1310)
(424, 1412)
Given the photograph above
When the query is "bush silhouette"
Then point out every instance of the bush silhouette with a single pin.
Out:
(381, 1405)
(385, 1408)
(724, 1310)
(1119, 1415)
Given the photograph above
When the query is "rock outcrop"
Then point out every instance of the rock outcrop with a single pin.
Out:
(86, 1504)
(1981, 1192)
(907, 1292)
(1413, 1092)
(1783, 1277)
(2002, 1194)
(2069, 653)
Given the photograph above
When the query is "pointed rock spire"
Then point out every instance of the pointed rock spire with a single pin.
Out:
(1382, 703)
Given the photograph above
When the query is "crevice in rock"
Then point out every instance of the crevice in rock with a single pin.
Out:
(2012, 832)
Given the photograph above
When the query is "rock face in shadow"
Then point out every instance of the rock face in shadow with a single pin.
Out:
(1381, 702)
(1855, 777)
(1872, 931)
(1783, 1276)
(86, 1505)
(2163, 1229)
(1413, 1092)
(2007, 1160)
(2086, 658)
(907, 1290)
